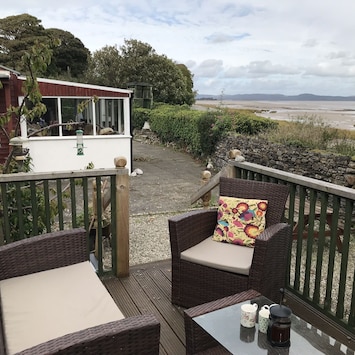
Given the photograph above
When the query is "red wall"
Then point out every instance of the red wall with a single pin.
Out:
(8, 97)
(51, 89)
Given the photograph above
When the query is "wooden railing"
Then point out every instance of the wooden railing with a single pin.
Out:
(322, 266)
(35, 203)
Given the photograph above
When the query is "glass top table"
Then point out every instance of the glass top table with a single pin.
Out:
(224, 326)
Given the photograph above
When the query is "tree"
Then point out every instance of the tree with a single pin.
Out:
(17, 35)
(70, 57)
(136, 61)
(104, 67)
(34, 61)
(141, 63)
(189, 83)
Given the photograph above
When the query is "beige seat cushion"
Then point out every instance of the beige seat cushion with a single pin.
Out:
(222, 256)
(46, 305)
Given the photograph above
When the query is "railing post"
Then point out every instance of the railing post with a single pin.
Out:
(206, 198)
(233, 155)
(230, 171)
(94, 219)
(122, 219)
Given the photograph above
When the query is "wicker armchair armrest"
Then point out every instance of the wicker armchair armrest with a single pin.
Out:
(2, 334)
(272, 231)
(133, 335)
(43, 252)
(271, 252)
(198, 340)
(187, 230)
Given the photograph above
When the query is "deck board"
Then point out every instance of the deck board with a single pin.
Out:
(148, 290)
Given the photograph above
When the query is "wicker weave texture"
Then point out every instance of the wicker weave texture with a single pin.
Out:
(194, 284)
(130, 336)
(199, 341)
(133, 335)
(43, 252)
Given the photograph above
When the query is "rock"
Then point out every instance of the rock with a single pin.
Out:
(234, 153)
(209, 165)
(138, 171)
(350, 179)
(319, 165)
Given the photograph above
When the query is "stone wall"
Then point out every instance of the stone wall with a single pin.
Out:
(332, 168)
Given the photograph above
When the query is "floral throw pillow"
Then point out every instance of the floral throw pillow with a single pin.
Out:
(239, 220)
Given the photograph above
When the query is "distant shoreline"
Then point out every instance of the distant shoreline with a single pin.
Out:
(337, 114)
(274, 97)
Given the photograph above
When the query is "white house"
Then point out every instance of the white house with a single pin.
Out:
(66, 138)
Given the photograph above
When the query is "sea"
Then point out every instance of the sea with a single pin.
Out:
(337, 114)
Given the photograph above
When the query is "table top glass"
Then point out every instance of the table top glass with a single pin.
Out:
(224, 326)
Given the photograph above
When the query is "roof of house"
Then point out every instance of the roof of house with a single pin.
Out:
(52, 87)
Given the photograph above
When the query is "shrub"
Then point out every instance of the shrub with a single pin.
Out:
(311, 132)
(18, 201)
(176, 124)
(252, 125)
(200, 131)
(139, 117)
(16, 193)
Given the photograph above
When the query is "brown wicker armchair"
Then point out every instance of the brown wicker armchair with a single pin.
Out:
(131, 335)
(194, 284)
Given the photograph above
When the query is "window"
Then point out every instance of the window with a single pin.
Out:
(64, 119)
(109, 114)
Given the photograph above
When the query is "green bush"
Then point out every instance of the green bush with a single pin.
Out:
(16, 193)
(139, 117)
(311, 132)
(250, 124)
(200, 131)
(175, 124)
(20, 199)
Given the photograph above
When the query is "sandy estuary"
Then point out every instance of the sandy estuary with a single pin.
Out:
(337, 114)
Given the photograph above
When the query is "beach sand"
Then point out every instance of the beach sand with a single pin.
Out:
(337, 114)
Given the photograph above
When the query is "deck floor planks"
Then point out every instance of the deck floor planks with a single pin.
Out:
(142, 293)
(148, 290)
(121, 297)
(162, 302)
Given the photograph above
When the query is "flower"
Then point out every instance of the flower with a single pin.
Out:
(252, 231)
(262, 205)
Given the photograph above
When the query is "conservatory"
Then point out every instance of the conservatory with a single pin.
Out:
(84, 126)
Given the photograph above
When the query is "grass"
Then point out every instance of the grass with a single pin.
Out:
(311, 132)
(307, 131)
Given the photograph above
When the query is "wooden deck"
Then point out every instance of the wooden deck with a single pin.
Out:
(148, 290)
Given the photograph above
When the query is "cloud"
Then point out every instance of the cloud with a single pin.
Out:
(250, 46)
(325, 69)
(240, 10)
(310, 43)
(209, 68)
(260, 69)
(218, 37)
(340, 55)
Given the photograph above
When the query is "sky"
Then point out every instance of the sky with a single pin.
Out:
(231, 47)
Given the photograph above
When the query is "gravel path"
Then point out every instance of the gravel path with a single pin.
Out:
(149, 238)
(164, 189)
